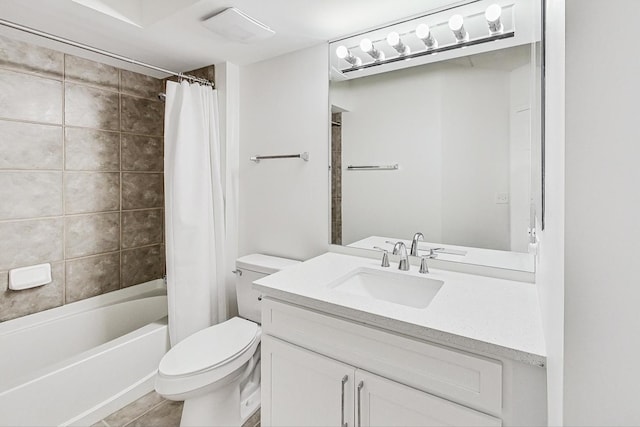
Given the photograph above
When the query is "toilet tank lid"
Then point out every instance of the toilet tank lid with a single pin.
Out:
(266, 264)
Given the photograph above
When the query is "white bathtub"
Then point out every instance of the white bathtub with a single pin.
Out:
(75, 364)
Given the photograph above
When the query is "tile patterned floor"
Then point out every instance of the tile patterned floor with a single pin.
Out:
(151, 410)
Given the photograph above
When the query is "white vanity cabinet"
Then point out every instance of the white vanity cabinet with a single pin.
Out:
(382, 402)
(321, 370)
(308, 389)
(302, 388)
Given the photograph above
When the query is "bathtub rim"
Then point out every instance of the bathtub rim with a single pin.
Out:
(151, 288)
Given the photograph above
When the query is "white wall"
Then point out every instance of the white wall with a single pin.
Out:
(449, 173)
(550, 261)
(602, 229)
(284, 109)
(228, 88)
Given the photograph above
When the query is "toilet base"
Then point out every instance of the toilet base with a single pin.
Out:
(220, 408)
(249, 406)
(216, 408)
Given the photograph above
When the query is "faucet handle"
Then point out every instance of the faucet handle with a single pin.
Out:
(424, 268)
(432, 253)
(385, 256)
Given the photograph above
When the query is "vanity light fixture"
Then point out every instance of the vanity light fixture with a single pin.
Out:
(366, 45)
(395, 42)
(456, 25)
(424, 33)
(343, 53)
(404, 48)
(492, 15)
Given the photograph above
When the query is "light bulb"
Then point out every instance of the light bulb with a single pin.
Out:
(424, 33)
(492, 15)
(393, 38)
(394, 41)
(366, 46)
(456, 25)
(343, 53)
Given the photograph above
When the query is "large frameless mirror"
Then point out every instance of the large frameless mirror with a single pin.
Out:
(447, 142)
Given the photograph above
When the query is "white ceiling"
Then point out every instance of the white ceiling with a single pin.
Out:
(169, 33)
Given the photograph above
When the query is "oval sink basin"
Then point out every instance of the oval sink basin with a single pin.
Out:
(396, 288)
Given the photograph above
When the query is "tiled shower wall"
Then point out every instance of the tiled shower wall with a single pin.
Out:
(336, 178)
(81, 176)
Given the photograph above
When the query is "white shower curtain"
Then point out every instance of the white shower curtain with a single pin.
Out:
(194, 210)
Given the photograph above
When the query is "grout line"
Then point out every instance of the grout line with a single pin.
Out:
(64, 179)
(120, 260)
(83, 257)
(164, 401)
(50, 76)
(79, 171)
(33, 122)
(63, 215)
(32, 170)
(150, 245)
(110, 89)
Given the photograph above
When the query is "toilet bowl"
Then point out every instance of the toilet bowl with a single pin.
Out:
(216, 371)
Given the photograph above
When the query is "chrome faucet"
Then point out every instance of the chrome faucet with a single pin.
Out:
(414, 243)
(400, 249)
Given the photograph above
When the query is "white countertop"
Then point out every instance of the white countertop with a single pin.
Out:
(482, 314)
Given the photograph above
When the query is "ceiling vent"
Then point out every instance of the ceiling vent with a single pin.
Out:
(236, 26)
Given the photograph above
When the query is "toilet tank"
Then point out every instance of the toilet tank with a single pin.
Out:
(250, 268)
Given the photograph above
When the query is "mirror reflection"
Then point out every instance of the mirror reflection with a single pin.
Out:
(443, 148)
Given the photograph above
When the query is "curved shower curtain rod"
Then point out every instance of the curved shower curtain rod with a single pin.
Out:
(102, 52)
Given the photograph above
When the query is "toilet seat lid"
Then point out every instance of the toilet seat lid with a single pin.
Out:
(209, 348)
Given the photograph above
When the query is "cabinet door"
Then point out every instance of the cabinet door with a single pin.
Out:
(301, 388)
(382, 402)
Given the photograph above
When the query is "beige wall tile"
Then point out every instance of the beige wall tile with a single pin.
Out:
(142, 153)
(142, 228)
(77, 168)
(92, 234)
(32, 98)
(94, 150)
(91, 192)
(29, 58)
(25, 243)
(90, 107)
(30, 194)
(90, 72)
(142, 264)
(139, 85)
(30, 146)
(88, 277)
(142, 116)
(21, 303)
(142, 190)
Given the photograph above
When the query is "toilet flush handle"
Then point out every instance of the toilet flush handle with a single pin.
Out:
(237, 272)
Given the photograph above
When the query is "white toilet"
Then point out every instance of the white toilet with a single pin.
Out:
(216, 371)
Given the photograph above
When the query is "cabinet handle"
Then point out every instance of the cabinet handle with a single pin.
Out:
(344, 381)
(360, 385)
